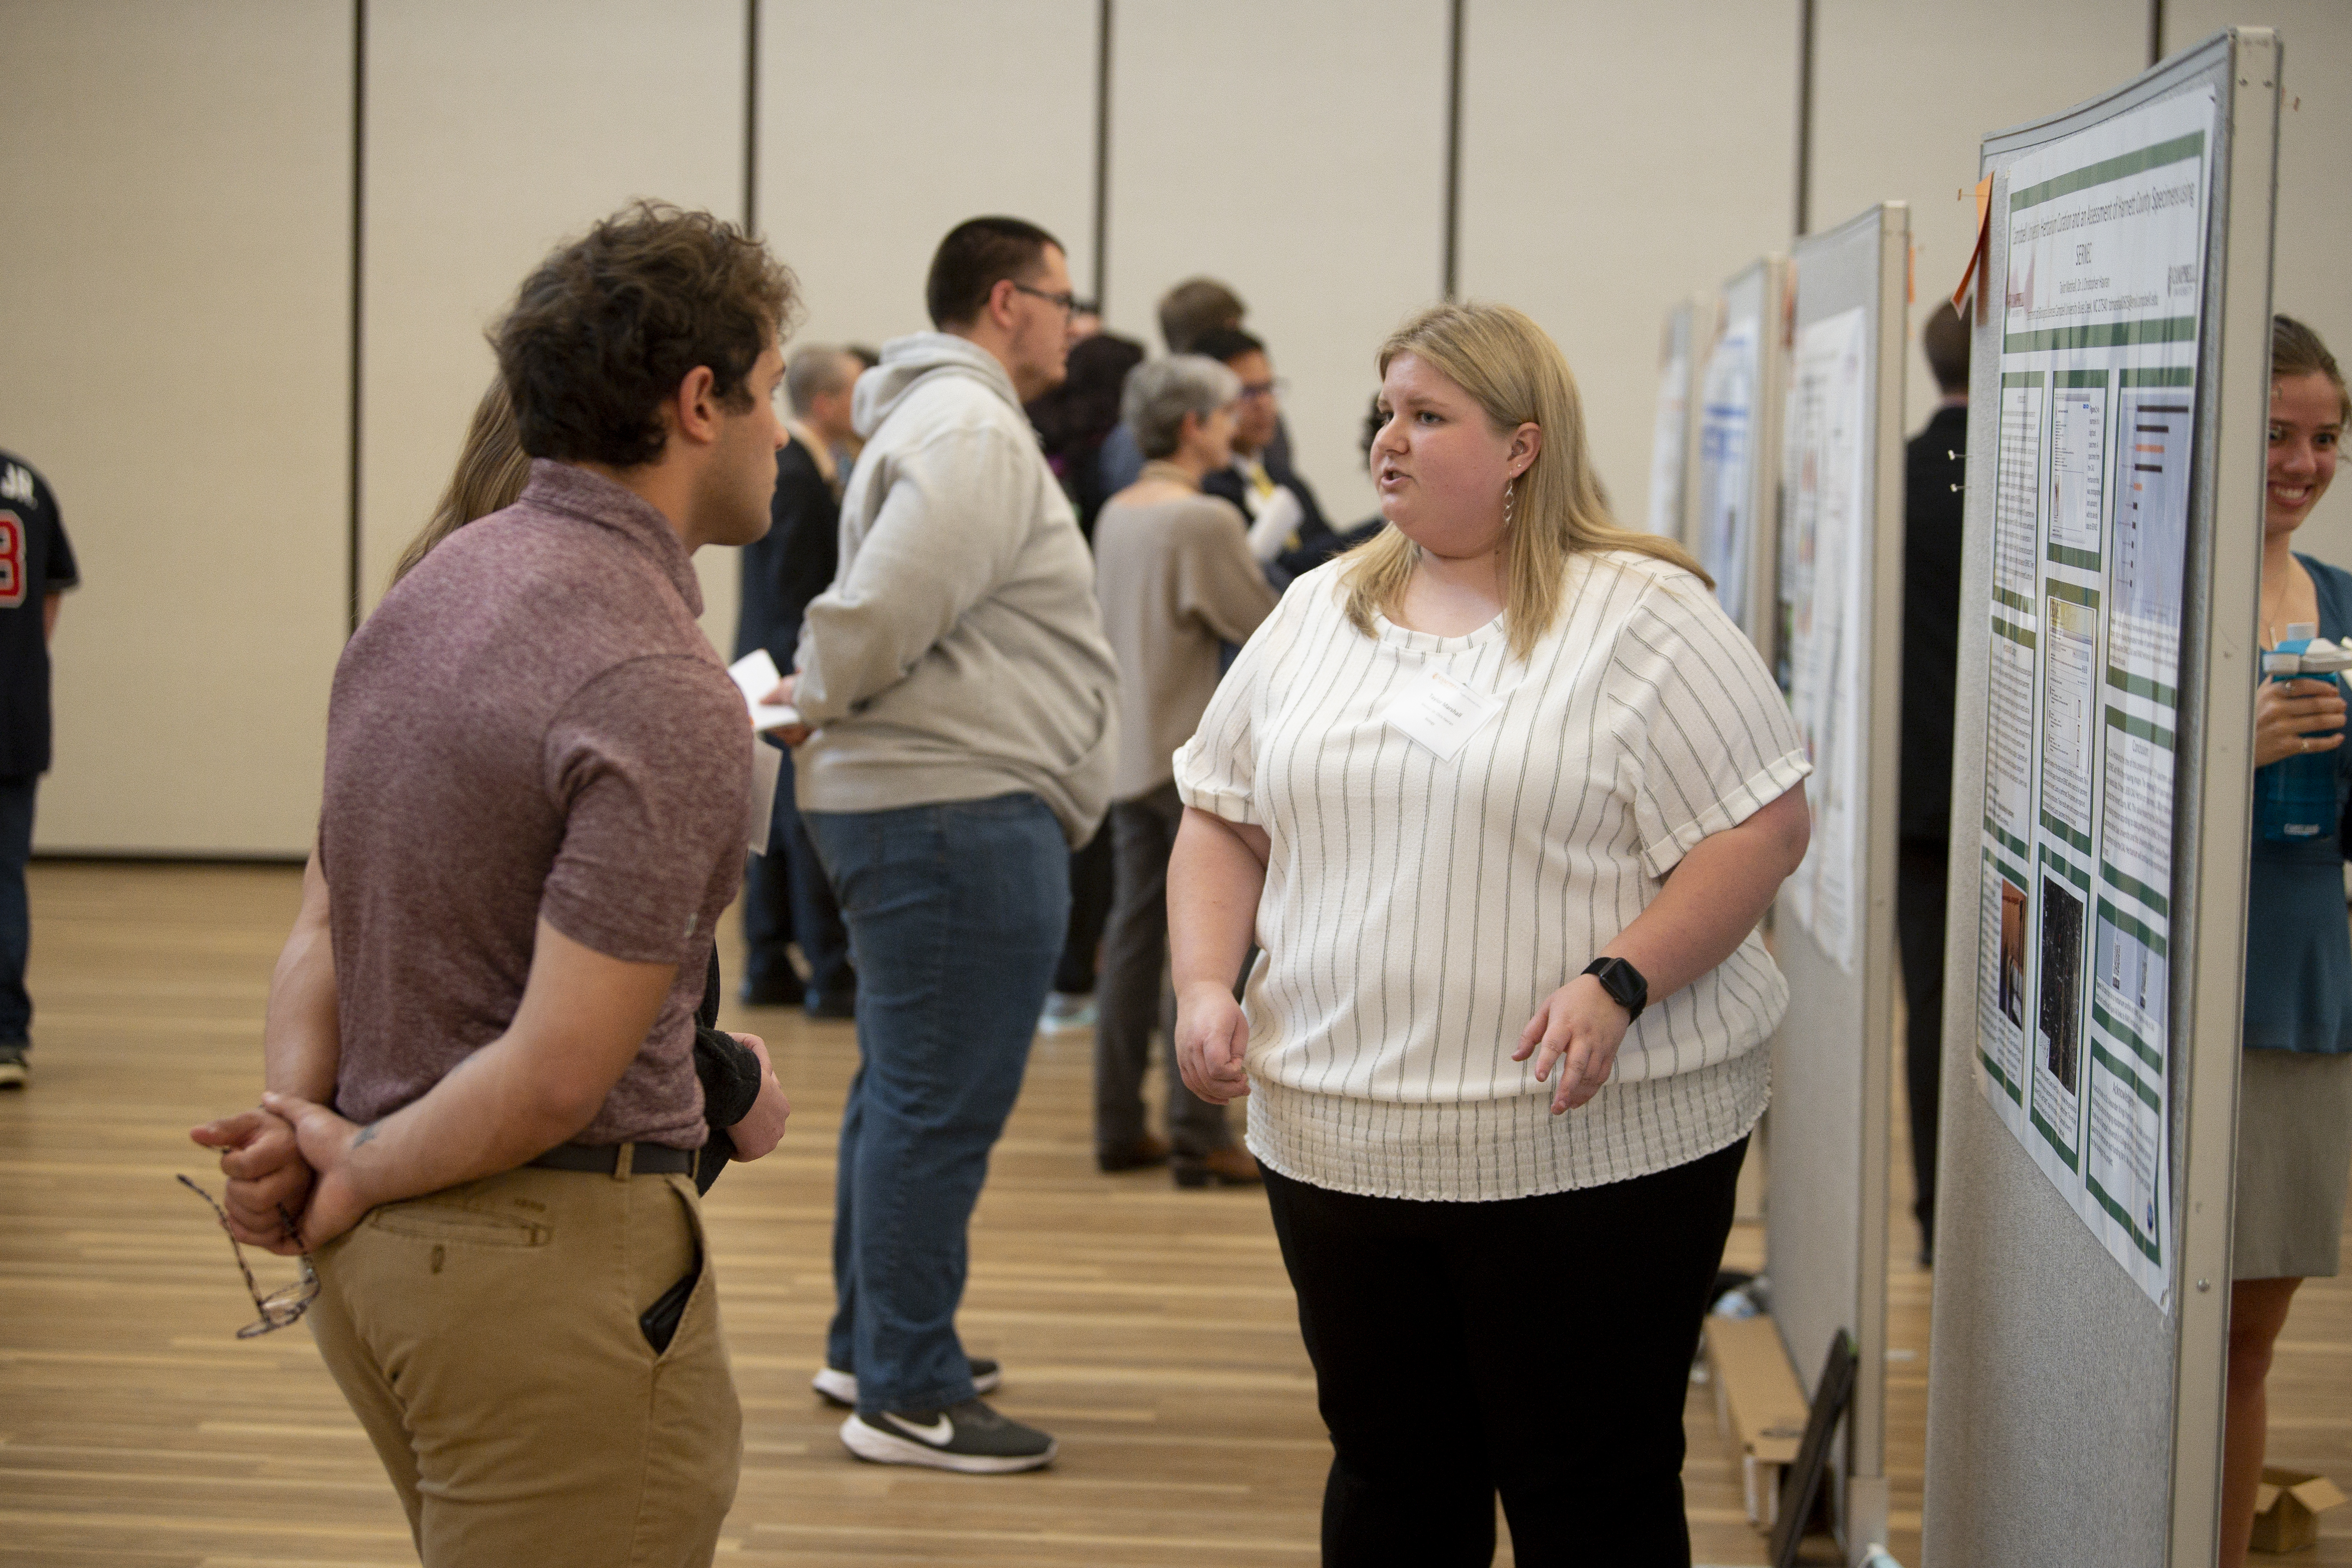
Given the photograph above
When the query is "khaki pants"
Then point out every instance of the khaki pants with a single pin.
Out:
(487, 1339)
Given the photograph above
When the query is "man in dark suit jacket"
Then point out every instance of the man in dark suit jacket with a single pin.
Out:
(1259, 466)
(1188, 312)
(1934, 468)
(785, 895)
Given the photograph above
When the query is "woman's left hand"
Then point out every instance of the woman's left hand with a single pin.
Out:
(1580, 1026)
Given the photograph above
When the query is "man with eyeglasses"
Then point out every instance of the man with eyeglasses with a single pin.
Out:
(1260, 471)
(956, 696)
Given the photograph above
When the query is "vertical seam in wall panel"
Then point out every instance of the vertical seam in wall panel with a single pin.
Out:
(359, 238)
(1450, 263)
(1102, 155)
(1805, 117)
(751, 116)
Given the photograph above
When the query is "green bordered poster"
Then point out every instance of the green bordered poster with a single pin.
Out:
(2101, 303)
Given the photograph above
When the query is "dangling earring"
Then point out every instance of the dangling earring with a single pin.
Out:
(1510, 491)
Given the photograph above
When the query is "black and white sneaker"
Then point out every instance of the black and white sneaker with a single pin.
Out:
(839, 1388)
(12, 1064)
(970, 1437)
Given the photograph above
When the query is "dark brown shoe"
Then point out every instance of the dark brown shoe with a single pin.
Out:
(1141, 1155)
(1230, 1167)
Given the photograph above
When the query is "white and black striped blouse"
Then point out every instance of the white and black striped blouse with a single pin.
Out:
(1418, 910)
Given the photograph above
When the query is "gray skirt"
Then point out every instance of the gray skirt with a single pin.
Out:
(2294, 1158)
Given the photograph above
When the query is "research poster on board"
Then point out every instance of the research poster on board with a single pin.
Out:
(1725, 434)
(1668, 440)
(1825, 575)
(2101, 308)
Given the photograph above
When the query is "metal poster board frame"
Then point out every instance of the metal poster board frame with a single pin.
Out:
(1735, 478)
(1685, 341)
(1839, 610)
(2075, 1392)
(1674, 424)
(1705, 311)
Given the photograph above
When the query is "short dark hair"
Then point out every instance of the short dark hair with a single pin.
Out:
(1945, 340)
(1225, 344)
(977, 255)
(1196, 306)
(604, 331)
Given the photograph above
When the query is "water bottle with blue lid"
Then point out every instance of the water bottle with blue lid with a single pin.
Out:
(2296, 797)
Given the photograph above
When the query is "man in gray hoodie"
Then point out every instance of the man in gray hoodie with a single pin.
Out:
(958, 701)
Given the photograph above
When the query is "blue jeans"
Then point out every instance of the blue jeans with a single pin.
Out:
(15, 917)
(956, 913)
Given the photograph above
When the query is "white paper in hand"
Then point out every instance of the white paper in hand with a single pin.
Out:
(767, 768)
(1440, 714)
(755, 675)
(1275, 518)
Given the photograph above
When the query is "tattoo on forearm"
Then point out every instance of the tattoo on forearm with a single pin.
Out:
(365, 1133)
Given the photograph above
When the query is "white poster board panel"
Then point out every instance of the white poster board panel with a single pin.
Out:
(1825, 566)
(1727, 443)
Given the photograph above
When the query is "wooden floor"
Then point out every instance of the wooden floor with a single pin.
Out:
(1150, 1329)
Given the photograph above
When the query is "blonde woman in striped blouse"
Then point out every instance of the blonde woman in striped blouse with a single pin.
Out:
(1504, 741)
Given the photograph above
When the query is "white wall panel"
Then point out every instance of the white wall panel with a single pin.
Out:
(177, 315)
(2309, 277)
(1902, 102)
(1614, 159)
(494, 132)
(1297, 152)
(882, 126)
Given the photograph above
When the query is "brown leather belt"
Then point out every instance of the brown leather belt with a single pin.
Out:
(619, 1159)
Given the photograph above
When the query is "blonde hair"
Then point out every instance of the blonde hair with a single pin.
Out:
(491, 472)
(1515, 373)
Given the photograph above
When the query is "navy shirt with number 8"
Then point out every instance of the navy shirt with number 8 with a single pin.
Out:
(36, 561)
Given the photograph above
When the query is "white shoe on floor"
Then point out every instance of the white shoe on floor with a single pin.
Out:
(838, 1387)
(1067, 1011)
(970, 1437)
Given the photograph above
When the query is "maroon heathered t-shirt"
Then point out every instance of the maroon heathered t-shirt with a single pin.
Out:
(530, 725)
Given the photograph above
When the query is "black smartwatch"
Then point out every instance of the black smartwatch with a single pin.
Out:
(1624, 983)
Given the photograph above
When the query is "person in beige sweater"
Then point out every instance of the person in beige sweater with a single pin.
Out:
(1176, 580)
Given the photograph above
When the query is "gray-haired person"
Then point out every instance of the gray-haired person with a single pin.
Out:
(1176, 580)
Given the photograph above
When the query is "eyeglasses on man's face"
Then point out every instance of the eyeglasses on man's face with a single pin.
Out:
(1255, 391)
(1064, 301)
(283, 1307)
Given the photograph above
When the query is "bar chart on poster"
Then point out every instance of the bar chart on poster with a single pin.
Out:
(2100, 307)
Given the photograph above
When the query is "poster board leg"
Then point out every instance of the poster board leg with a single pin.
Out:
(1865, 1518)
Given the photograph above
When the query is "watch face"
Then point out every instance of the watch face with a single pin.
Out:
(1622, 982)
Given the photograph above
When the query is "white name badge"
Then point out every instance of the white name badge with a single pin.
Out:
(1441, 712)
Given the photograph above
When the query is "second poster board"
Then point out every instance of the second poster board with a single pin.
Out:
(1837, 647)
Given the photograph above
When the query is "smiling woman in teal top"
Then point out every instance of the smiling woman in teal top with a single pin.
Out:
(2294, 1098)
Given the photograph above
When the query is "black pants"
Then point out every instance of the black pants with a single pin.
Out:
(786, 898)
(1919, 886)
(1540, 1348)
(1133, 997)
(1091, 896)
